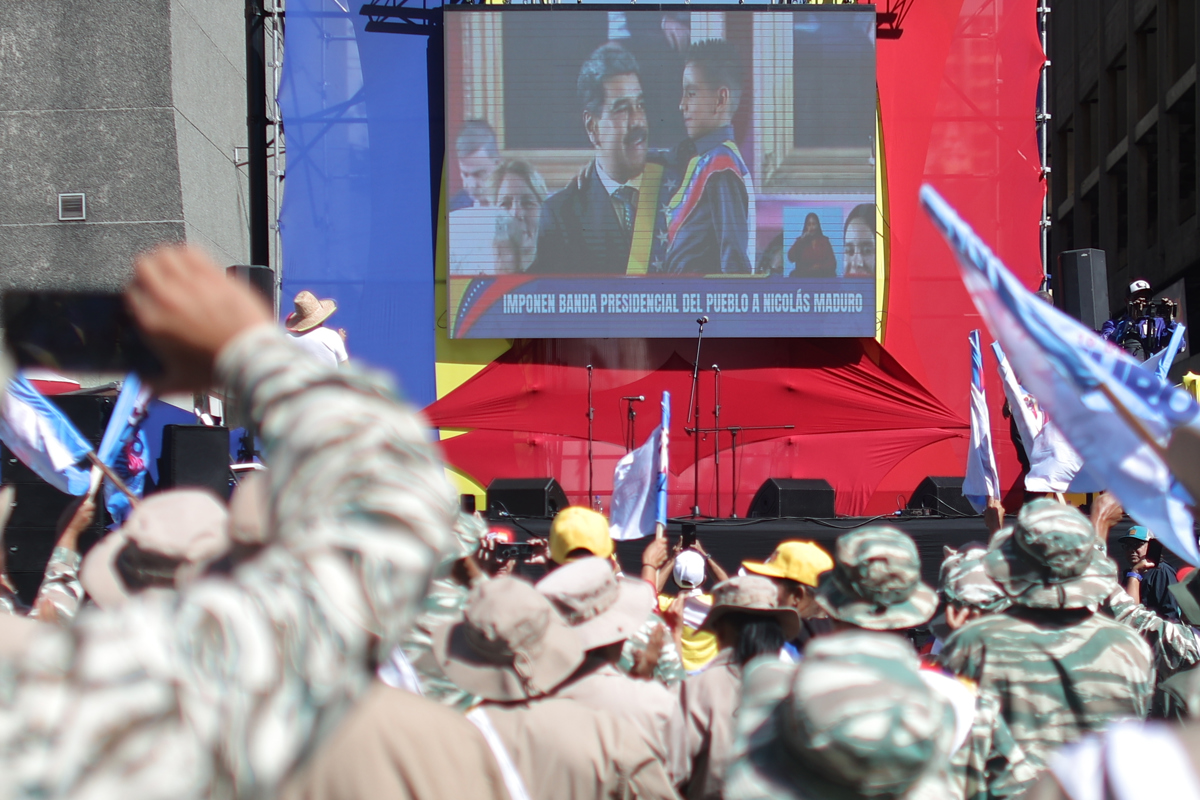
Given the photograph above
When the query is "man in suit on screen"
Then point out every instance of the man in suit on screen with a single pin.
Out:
(608, 210)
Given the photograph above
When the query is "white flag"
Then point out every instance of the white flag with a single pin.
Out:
(639, 499)
(983, 479)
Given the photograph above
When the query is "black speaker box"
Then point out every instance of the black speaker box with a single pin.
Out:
(793, 497)
(525, 497)
(260, 279)
(196, 456)
(942, 495)
(30, 535)
(1081, 286)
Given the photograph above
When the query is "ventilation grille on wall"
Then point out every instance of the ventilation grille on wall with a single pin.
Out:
(72, 206)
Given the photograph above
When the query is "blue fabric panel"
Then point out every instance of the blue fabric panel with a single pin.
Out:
(357, 214)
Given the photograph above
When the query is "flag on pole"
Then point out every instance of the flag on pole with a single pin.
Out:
(639, 499)
(43, 438)
(1054, 466)
(124, 447)
(982, 480)
(1160, 362)
(1115, 414)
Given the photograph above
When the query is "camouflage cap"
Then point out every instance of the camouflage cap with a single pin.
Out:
(965, 582)
(853, 720)
(875, 582)
(1048, 559)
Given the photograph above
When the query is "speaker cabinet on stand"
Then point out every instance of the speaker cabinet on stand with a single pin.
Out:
(793, 497)
(525, 497)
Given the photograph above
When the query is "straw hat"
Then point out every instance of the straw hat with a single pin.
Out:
(310, 312)
(602, 608)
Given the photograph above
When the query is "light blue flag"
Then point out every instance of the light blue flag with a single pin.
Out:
(1160, 362)
(42, 437)
(639, 498)
(1073, 373)
(124, 447)
(983, 479)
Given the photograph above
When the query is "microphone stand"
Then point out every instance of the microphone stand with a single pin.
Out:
(717, 435)
(631, 433)
(734, 430)
(591, 415)
(694, 408)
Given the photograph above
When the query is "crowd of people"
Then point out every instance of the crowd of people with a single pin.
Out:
(341, 630)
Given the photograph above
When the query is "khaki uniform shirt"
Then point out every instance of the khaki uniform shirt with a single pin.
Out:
(649, 705)
(564, 750)
(710, 702)
(219, 690)
(399, 746)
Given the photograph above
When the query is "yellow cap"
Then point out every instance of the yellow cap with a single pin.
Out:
(801, 562)
(579, 528)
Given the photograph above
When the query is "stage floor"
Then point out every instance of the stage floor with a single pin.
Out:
(731, 541)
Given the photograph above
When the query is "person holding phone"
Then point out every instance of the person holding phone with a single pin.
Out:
(1148, 577)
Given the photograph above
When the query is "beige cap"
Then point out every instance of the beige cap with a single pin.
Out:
(510, 645)
(602, 608)
(751, 594)
(190, 525)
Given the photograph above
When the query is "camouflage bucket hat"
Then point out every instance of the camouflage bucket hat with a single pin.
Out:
(853, 720)
(875, 582)
(965, 582)
(1049, 559)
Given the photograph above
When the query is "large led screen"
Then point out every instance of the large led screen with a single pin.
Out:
(619, 173)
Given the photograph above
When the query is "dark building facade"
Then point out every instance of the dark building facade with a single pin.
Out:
(1123, 144)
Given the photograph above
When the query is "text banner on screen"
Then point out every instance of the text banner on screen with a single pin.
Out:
(619, 170)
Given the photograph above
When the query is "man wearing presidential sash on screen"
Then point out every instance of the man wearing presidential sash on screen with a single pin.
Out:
(588, 226)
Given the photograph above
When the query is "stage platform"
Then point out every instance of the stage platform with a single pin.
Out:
(731, 541)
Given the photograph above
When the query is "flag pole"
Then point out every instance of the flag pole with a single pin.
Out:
(134, 500)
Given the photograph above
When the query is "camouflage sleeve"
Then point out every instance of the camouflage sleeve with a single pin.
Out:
(60, 587)
(1176, 645)
(669, 669)
(220, 689)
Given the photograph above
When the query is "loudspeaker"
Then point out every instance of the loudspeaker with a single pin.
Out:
(261, 279)
(942, 495)
(793, 497)
(30, 535)
(525, 497)
(195, 455)
(1081, 286)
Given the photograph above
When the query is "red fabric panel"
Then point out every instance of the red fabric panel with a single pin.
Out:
(957, 101)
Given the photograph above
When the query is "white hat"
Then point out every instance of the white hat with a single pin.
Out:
(1138, 286)
(689, 569)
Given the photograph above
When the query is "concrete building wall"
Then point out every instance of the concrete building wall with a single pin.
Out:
(136, 103)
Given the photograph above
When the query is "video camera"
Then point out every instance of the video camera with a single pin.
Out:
(1162, 307)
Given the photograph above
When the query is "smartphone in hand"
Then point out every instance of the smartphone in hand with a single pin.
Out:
(75, 332)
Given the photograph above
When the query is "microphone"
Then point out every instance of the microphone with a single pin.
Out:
(639, 399)
(715, 368)
(702, 320)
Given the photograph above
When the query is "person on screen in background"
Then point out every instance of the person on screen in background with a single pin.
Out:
(519, 192)
(478, 157)
(305, 327)
(812, 253)
(858, 242)
(708, 218)
(588, 226)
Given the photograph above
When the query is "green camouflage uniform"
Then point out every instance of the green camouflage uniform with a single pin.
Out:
(1055, 668)
(220, 689)
(60, 587)
(443, 604)
(852, 720)
(669, 669)
(875, 582)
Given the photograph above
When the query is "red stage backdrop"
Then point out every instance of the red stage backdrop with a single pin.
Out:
(957, 90)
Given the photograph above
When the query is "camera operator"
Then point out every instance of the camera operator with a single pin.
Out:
(1145, 327)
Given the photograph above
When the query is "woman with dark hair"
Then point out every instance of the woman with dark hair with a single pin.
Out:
(812, 253)
(858, 242)
(748, 623)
